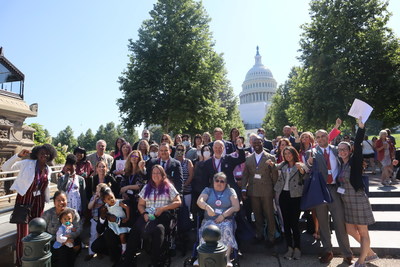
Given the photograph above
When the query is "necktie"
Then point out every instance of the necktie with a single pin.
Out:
(328, 165)
(163, 164)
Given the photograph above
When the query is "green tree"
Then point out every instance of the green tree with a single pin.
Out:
(66, 137)
(42, 135)
(175, 78)
(87, 140)
(347, 52)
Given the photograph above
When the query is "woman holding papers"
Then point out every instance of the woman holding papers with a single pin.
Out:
(357, 209)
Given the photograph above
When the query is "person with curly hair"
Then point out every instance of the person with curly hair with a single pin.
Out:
(31, 184)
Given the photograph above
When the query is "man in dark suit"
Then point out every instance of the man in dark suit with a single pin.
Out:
(326, 156)
(225, 164)
(171, 166)
(228, 146)
(266, 143)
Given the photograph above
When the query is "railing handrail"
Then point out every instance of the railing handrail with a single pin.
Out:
(16, 171)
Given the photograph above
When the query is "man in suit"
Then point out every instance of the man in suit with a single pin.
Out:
(267, 144)
(100, 155)
(326, 156)
(225, 164)
(258, 184)
(171, 166)
(228, 146)
(145, 136)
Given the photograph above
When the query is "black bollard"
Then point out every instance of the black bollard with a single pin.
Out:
(36, 245)
(212, 253)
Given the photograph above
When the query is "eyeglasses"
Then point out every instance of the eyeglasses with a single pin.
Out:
(180, 150)
(219, 181)
(134, 156)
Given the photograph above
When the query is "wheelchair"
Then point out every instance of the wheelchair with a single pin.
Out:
(168, 248)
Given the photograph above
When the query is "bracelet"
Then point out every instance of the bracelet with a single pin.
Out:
(223, 215)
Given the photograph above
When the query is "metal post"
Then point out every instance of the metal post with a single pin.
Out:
(36, 245)
(212, 253)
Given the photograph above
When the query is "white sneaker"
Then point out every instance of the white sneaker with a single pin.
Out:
(196, 262)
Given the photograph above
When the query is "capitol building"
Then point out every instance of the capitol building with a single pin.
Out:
(258, 89)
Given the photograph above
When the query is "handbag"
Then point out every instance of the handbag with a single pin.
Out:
(315, 191)
(21, 213)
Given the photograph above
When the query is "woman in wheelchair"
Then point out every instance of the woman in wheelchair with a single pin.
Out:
(157, 199)
(220, 203)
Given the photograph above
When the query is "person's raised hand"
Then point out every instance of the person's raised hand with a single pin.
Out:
(338, 123)
(141, 164)
(24, 153)
(360, 123)
(239, 142)
(270, 162)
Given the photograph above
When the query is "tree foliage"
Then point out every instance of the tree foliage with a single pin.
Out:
(87, 140)
(348, 52)
(174, 78)
(66, 137)
(41, 135)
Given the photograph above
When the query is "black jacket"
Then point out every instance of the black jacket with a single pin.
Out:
(228, 164)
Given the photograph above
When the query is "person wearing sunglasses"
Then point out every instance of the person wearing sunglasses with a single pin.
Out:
(220, 203)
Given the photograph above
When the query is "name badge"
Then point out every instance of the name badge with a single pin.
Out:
(36, 193)
(130, 192)
(340, 190)
(218, 211)
(330, 172)
(257, 176)
(238, 173)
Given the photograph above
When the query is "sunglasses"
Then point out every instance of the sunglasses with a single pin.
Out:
(220, 181)
(134, 156)
(180, 150)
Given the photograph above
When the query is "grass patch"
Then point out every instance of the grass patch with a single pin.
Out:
(397, 137)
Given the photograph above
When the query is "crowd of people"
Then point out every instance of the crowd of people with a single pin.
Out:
(135, 191)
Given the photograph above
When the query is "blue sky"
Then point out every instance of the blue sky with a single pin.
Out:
(72, 52)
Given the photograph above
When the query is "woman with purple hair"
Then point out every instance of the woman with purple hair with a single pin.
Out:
(156, 199)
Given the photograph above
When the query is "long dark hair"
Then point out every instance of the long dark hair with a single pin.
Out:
(117, 151)
(294, 152)
(163, 188)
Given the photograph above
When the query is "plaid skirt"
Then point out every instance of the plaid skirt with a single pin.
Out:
(357, 209)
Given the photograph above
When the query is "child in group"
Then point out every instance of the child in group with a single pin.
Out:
(66, 217)
(94, 204)
(116, 207)
(74, 185)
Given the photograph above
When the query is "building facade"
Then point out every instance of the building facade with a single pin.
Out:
(258, 89)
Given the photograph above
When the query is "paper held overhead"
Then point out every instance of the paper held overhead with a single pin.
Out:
(360, 109)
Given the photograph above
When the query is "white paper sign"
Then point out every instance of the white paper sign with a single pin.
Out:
(360, 109)
(120, 165)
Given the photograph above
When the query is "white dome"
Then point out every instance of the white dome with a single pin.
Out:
(258, 88)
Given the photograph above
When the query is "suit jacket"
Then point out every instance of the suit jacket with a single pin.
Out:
(228, 163)
(296, 180)
(173, 170)
(263, 187)
(318, 155)
(107, 159)
(251, 150)
(229, 148)
(268, 145)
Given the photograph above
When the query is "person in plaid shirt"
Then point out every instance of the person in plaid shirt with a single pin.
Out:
(157, 198)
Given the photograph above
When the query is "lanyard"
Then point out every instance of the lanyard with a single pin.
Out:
(218, 197)
(72, 183)
(216, 168)
(131, 179)
(255, 158)
(38, 179)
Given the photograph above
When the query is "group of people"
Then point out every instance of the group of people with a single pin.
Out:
(135, 192)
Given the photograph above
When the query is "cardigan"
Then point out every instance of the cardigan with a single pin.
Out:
(24, 180)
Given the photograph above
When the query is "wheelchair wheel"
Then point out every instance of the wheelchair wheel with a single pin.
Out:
(235, 263)
(189, 261)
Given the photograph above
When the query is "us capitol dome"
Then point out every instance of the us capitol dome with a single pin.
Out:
(258, 89)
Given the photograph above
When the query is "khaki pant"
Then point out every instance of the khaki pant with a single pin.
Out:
(263, 209)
